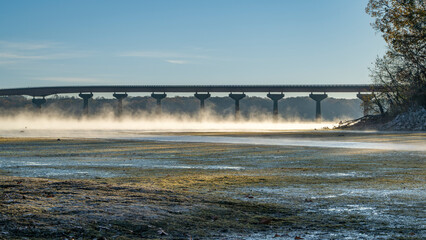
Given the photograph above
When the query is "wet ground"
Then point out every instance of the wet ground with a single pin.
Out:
(174, 187)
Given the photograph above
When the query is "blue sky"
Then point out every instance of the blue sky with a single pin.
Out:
(93, 42)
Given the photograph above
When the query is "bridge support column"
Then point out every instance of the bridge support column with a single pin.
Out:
(366, 99)
(159, 97)
(275, 98)
(86, 97)
(120, 97)
(318, 98)
(38, 102)
(237, 98)
(202, 97)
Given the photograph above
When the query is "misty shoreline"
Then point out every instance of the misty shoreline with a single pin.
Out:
(395, 141)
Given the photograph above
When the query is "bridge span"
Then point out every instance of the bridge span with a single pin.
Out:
(202, 92)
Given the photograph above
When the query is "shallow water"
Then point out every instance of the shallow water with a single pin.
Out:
(182, 136)
(376, 188)
(287, 142)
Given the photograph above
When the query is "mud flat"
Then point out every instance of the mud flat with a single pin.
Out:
(142, 186)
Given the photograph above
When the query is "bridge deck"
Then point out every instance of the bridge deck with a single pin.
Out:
(45, 91)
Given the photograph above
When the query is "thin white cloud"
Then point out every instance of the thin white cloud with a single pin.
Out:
(161, 54)
(27, 45)
(16, 56)
(65, 55)
(177, 61)
(6, 62)
(71, 79)
(19, 56)
(16, 52)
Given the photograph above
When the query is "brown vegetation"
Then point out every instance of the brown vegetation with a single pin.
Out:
(203, 203)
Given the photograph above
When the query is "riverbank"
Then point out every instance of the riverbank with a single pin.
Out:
(121, 189)
(413, 120)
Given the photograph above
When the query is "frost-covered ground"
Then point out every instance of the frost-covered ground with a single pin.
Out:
(413, 120)
(284, 186)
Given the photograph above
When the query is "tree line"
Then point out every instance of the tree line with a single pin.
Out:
(292, 108)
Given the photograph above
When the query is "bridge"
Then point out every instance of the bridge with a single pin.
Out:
(202, 92)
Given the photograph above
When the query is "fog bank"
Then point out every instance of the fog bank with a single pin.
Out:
(169, 123)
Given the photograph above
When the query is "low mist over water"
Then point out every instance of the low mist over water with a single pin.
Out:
(293, 109)
(168, 123)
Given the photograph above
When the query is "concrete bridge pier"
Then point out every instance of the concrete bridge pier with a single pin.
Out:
(120, 97)
(38, 102)
(86, 97)
(366, 100)
(318, 98)
(237, 97)
(202, 97)
(159, 97)
(275, 98)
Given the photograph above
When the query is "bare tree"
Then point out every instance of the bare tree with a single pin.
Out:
(402, 71)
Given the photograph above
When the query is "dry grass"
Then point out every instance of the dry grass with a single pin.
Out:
(203, 203)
